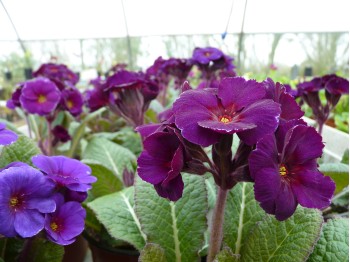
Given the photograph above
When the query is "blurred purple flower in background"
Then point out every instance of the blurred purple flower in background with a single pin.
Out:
(40, 96)
(7, 137)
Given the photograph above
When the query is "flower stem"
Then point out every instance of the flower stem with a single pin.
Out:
(217, 222)
(49, 138)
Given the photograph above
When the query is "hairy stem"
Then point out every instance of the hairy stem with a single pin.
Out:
(217, 222)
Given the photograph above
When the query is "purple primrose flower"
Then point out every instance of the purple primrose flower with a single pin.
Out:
(65, 171)
(206, 55)
(237, 106)
(161, 163)
(284, 168)
(66, 223)
(58, 73)
(7, 137)
(72, 101)
(14, 102)
(40, 96)
(26, 196)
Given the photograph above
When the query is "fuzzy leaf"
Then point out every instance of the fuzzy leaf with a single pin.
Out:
(339, 172)
(333, 244)
(113, 156)
(43, 250)
(178, 227)
(22, 150)
(242, 212)
(115, 211)
(290, 240)
(152, 253)
(226, 255)
(107, 182)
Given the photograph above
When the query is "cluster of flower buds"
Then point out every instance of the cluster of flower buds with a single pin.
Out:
(277, 150)
(334, 87)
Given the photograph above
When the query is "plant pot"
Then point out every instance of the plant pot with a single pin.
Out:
(28, 73)
(101, 253)
(76, 252)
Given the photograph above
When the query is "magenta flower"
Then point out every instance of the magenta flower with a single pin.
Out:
(130, 95)
(66, 223)
(26, 196)
(65, 171)
(284, 168)
(161, 163)
(237, 106)
(14, 102)
(206, 55)
(40, 96)
(289, 107)
(7, 137)
(58, 73)
(72, 101)
(60, 134)
(96, 98)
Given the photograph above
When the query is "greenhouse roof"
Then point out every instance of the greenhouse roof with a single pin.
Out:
(80, 19)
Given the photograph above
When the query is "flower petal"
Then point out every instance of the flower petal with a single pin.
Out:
(29, 223)
(151, 169)
(313, 189)
(238, 92)
(191, 108)
(171, 190)
(286, 202)
(264, 114)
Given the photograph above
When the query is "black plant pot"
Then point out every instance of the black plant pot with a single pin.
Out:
(28, 73)
(102, 253)
(8, 76)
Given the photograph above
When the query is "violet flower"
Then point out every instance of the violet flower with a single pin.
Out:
(96, 98)
(40, 96)
(237, 106)
(7, 137)
(58, 73)
(130, 95)
(278, 93)
(334, 87)
(24, 200)
(67, 172)
(284, 168)
(66, 223)
(60, 135)
(72, 101)
(161, 163)
(14, 102)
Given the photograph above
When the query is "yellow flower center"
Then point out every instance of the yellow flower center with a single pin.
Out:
(41, 99)
(70, 104)
(225, 119)
(207, 54)
(283, 170)
(54, 226)
(14, 201)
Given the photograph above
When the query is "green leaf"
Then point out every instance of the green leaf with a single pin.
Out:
(42, 250)
(339, 172)
(11, 248)
(178, 227)
(226, 255)
(289, 240)
(345, 159)
(242, 213)
(152, 253)
(333, 244)
(80, 130)
(342, 198)
(111, 155)
(116, 213)
(22, 150)
(107, 182)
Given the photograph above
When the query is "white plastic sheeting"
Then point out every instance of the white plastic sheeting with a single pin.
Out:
(76, 19)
